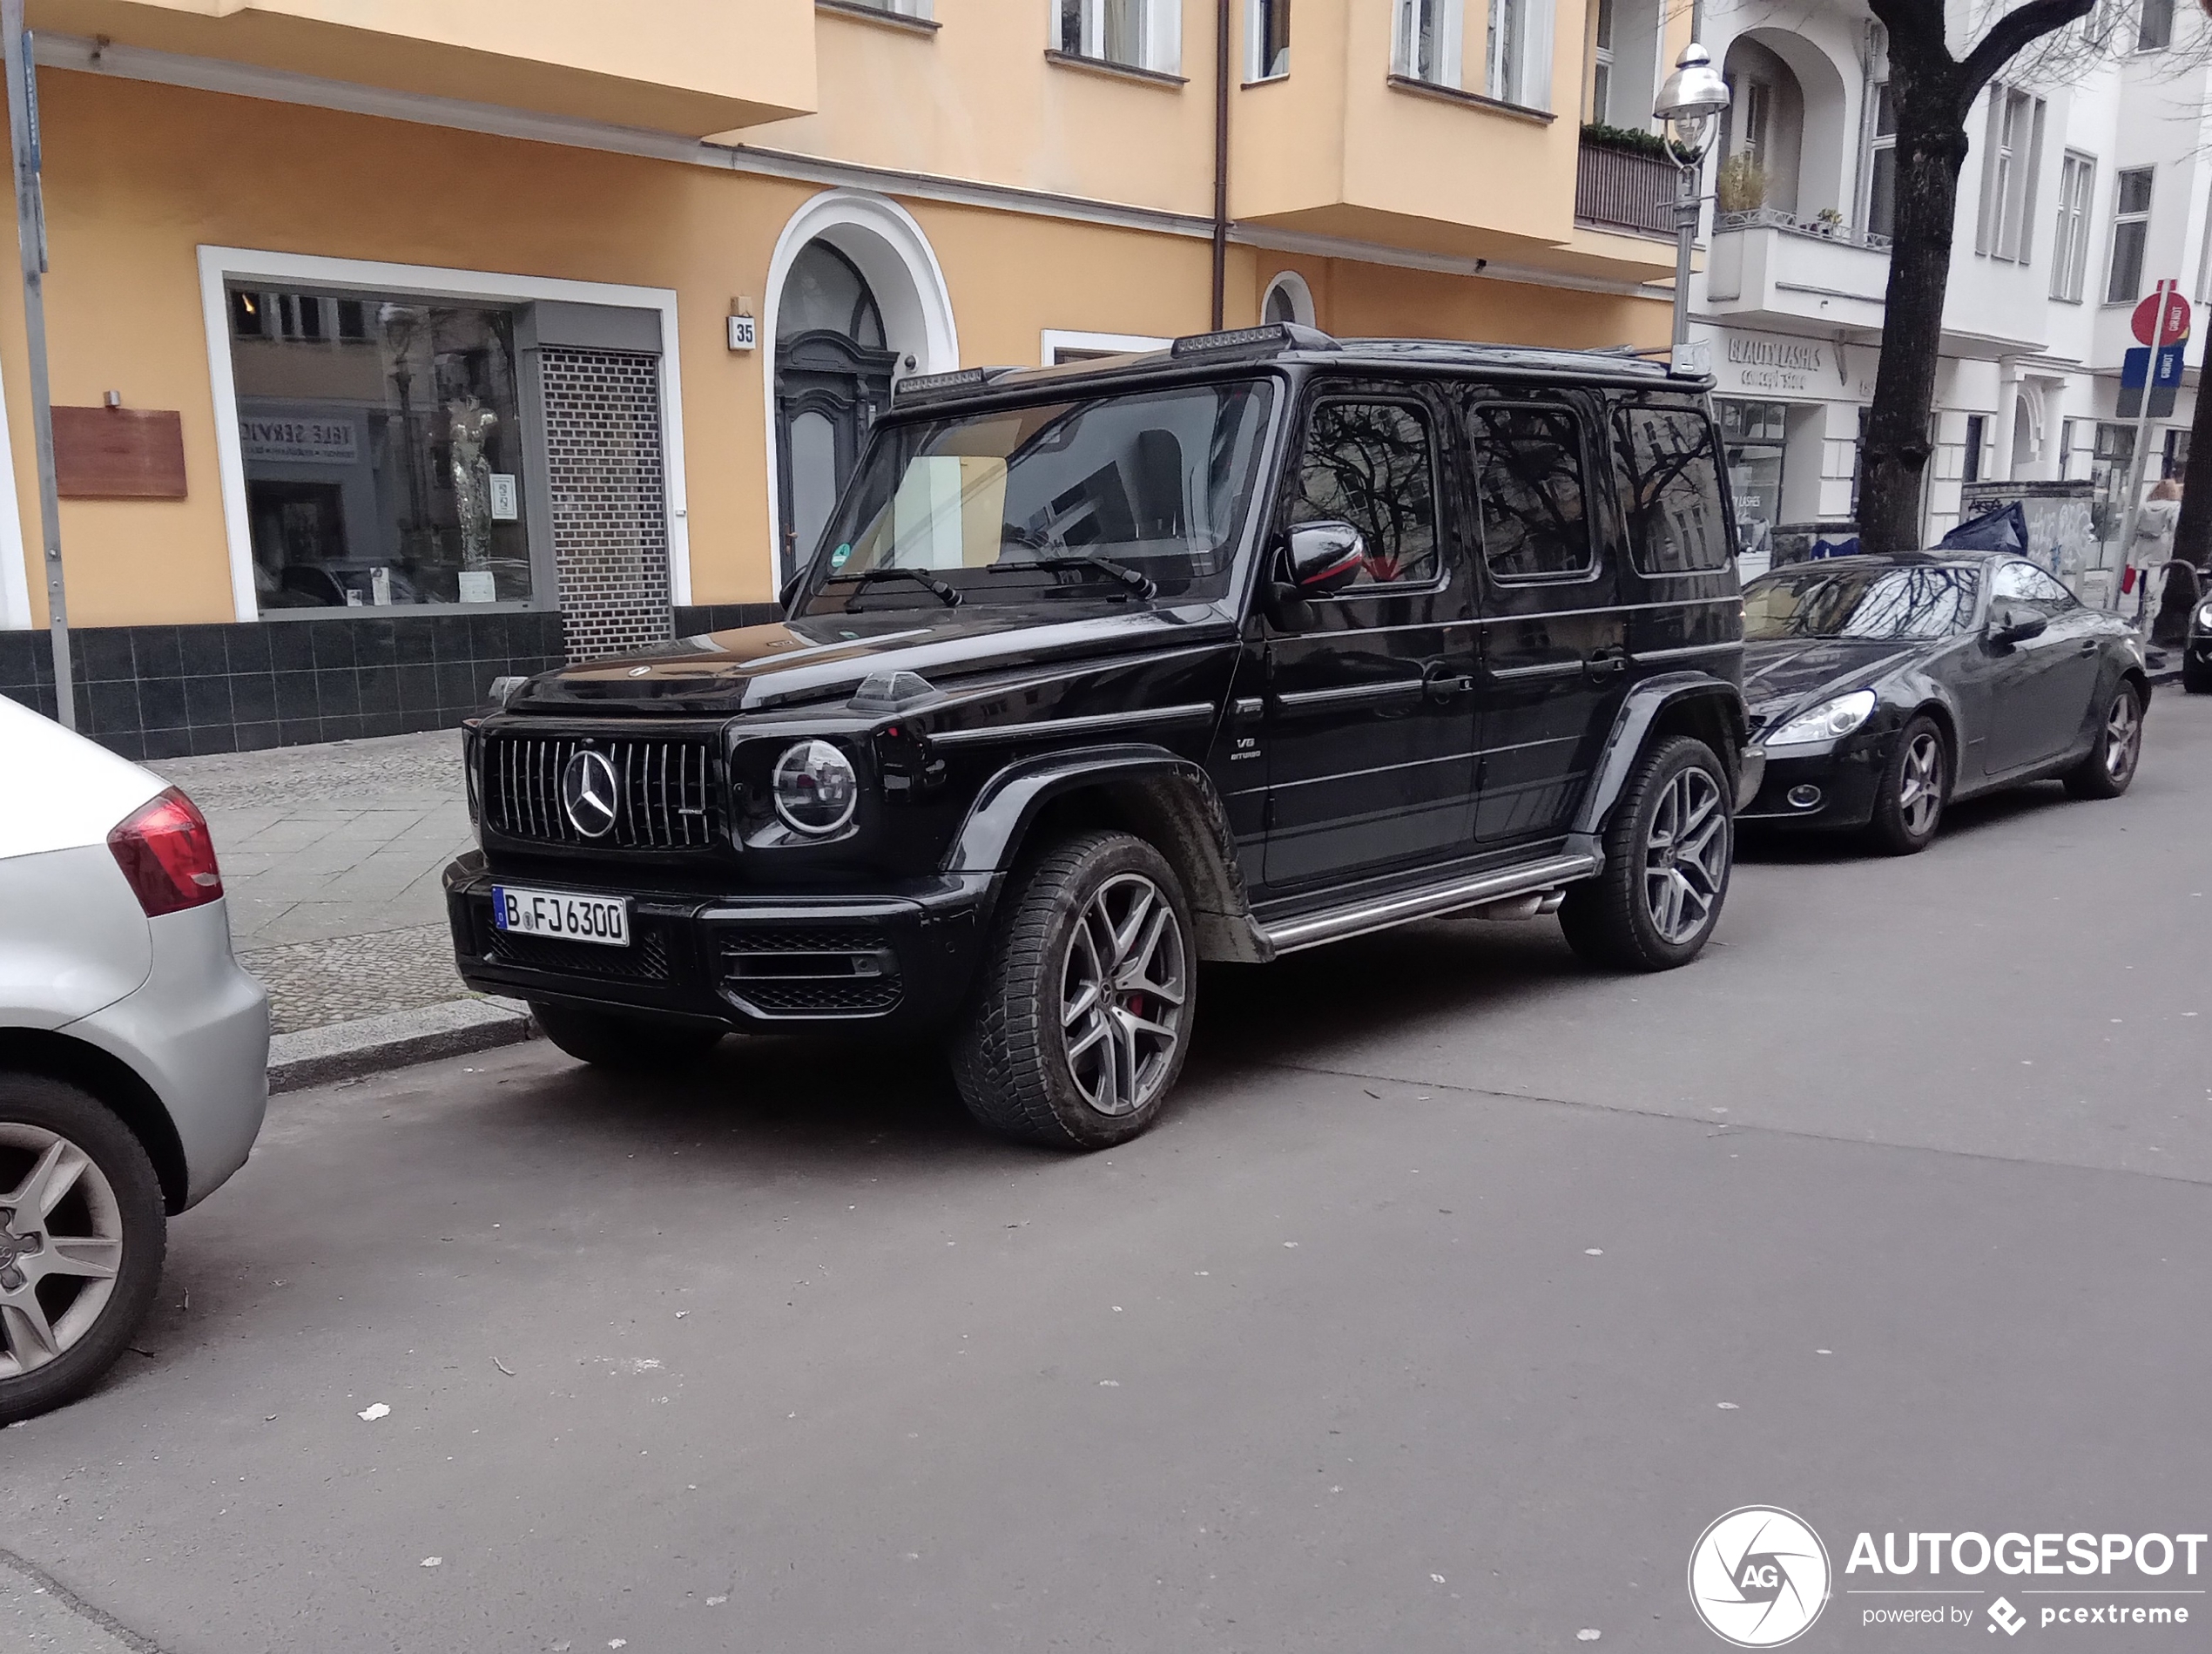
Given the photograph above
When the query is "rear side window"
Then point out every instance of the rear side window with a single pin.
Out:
(1369, 463)
(1670, 489)
(1528, 471)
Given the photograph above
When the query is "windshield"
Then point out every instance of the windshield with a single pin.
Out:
(1879, 605)
(1096, 498)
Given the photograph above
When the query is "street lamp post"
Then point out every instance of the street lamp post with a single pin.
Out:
(1690, 102)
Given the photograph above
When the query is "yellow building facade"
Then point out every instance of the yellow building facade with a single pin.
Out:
(401, 344)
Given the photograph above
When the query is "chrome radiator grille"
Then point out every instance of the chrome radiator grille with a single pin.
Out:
(664, 787)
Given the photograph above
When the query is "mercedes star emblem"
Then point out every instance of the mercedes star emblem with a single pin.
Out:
(588, 793)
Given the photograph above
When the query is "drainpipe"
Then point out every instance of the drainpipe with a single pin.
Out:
(1220, 162)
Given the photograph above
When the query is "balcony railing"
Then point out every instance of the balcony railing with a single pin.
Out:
(1621, 190)
(1775, 218)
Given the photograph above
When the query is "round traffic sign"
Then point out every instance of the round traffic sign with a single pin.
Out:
(2145, 321)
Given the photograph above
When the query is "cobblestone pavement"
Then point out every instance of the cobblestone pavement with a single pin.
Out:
(331, 858)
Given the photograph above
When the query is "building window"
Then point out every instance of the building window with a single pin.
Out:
(2070, 246)
(896, 8)
(1977, 435)
(2066, 447)
(2010, 161)
(2131, 228)
(1424, 41)
(1136, 34)
(1519, 64)
(2154, 28)
(382, 442)
(1267, 54)
(1601, 64)
(1289, 300)
(1752, 436)
(1881, 164)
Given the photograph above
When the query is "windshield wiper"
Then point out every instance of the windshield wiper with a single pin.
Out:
(1140, 583)
(862, 581)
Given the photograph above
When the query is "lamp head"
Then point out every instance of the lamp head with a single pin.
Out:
(1691, 97)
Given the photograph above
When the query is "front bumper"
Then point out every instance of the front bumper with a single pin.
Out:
(901, 959)
(197, 1031)
(1830, 788)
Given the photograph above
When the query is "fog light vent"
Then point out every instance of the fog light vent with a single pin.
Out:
(1803, 797)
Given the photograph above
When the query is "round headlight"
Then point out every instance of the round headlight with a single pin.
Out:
(816, 788)
(2205, 617)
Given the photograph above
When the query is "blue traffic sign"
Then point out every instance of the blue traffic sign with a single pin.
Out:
(2135, 368)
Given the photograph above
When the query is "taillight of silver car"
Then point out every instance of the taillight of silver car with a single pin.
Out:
(168, 855)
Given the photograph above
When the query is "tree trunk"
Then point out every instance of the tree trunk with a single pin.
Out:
(1930, 147)
(2193, 535)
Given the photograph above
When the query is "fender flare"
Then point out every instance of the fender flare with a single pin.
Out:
(1631, 726)
(1169, 797)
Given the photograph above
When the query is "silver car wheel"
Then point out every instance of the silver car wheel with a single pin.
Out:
(61, 1246)
(1122, 995)
(1919, 793)
(2123, 737)
(1685, 857)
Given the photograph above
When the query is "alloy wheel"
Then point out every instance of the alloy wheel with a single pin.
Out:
(2123, 736)
(1919, 793)
(1685, 857)
(61, 1246)
(1122, 995)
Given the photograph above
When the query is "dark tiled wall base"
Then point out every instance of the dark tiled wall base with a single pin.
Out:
(694, 618)
(167, 691)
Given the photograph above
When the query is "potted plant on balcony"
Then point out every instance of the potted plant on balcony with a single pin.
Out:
(1740, 185)
(1828, 221)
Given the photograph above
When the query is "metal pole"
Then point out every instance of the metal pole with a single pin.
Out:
(30, 234)
(2140, 457)
(1686, 208)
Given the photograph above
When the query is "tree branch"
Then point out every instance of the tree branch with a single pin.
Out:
(2009, 35)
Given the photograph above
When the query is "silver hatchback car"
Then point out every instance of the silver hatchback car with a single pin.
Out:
(133, 1051)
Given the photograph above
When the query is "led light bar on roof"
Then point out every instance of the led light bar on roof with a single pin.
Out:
(915, 387)
(1265, 341)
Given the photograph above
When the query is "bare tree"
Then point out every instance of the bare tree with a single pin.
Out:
(1933, 91)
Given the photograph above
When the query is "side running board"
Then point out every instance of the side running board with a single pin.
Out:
(1380, 913)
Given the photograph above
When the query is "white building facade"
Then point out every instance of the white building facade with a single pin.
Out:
(2087, 183)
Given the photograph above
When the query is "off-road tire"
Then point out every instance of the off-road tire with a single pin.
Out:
(54, 1106)
(2093, 778)
(1009, 1052)
(1890, 830)
(626, 1044)
(1607, 918)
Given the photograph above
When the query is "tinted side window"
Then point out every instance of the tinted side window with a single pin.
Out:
(1670, 488)
(2023, 584)
(1370, 464)
(1529, 470)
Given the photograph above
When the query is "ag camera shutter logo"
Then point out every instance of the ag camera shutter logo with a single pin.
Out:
(1758, 1577)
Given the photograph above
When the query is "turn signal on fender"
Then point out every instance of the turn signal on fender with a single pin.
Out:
(168, 855)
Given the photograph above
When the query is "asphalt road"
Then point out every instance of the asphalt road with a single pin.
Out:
(1461, 1290)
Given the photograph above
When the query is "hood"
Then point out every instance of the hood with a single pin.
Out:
(818, 657)
(1782, 674)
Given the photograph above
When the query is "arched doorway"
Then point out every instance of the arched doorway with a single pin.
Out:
(855, 299)
(833, 373)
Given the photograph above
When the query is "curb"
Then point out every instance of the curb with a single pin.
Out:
(397, 1039)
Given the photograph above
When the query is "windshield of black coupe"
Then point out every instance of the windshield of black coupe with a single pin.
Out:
(1878, 604)
(1106, 498)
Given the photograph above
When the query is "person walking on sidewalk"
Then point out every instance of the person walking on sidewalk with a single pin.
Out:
(2154, 545)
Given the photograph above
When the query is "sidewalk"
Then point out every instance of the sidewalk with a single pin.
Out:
(331, 857)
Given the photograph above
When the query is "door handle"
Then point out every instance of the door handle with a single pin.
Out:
(1442, 686)
(2088, 646)
(1606, 663)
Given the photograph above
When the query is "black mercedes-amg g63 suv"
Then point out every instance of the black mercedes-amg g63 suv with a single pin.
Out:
(1098, 671)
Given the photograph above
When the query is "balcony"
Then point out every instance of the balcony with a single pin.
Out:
(1768, 265)
(691, 67)
(1625, 190)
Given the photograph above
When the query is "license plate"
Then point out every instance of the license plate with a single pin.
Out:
(604, 920)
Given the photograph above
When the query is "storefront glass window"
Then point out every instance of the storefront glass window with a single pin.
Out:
(2109, 469)
(383, 450)
(1752, 434)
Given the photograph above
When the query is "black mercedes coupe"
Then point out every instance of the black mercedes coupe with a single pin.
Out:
(1883, 688)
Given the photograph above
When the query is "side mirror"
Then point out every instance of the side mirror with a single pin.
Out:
(788, 590)
(2009, 626)
(1324, 558)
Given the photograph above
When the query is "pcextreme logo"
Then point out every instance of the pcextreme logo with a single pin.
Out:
(1758, 1576)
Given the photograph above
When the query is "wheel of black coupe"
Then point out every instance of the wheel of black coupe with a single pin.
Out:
(1909, 799)
(628, 1044)
(1669, 850)
(1084, 1007)
(83, 1231)
(2111, 764)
